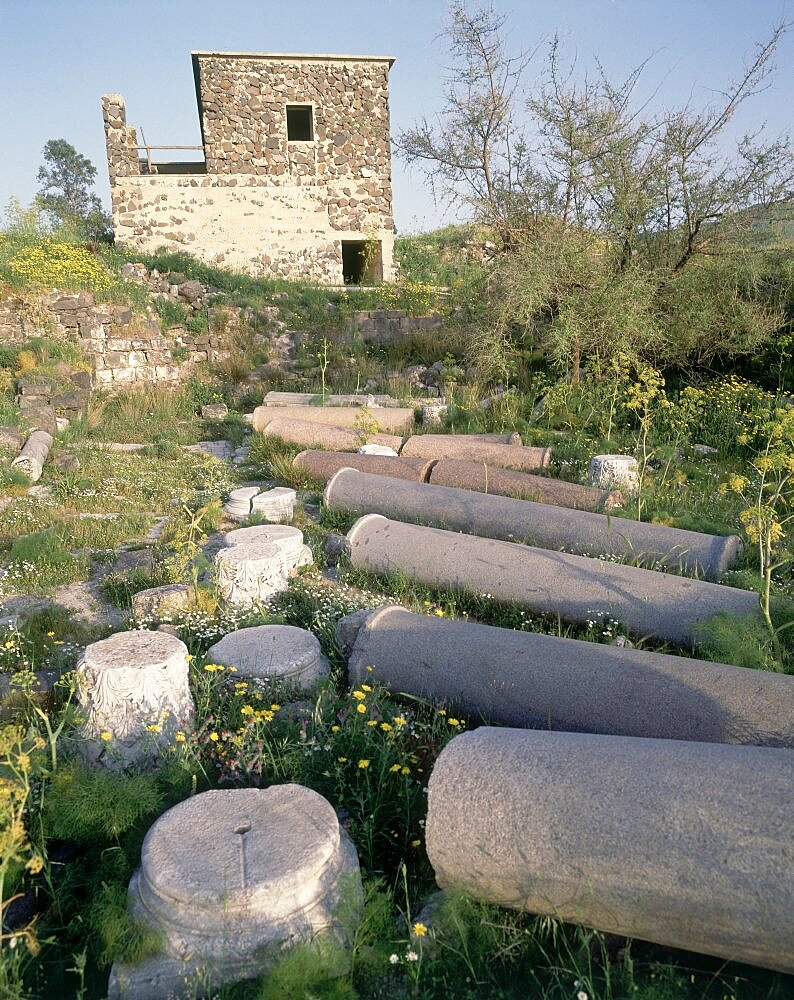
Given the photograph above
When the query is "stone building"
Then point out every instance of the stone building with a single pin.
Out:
(296, 175)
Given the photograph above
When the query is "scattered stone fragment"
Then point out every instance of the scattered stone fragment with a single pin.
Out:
(161, 602)
(233, 877)
(133, 694)
(250, 573)
(268, 652)
(67, 461)
(685, 844)
(11, 439)
(348, 628)
(33, 455)
(335, 548)
(377, 449)
(433, 414)
(214, 411)
(704, 450)
(222, 450)
(614, 470)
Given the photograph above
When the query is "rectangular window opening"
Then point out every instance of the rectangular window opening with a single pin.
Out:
(300, 126)
(362, 262)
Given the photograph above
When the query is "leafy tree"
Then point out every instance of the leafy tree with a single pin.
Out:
(66, 180)
(623, 230)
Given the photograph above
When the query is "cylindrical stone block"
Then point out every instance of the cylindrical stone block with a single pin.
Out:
(684, 844)
(230, 878)
(133, 693)
(536, 681)
(539, 524)
(314, 435)
(486, 478)
(33, 455)
(322, 465)
(553, 583)
(249, 573)
(472, 447)
(390, 419)
(272, 652)
(275, 505)
(156, 602)
(283, 536)
(614, 470)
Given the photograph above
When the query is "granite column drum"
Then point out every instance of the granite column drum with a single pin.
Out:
(313, 435)
(472, 446)
(133, 693)
(554, 583)
(233, 878)
(535, 681)
(33, 455)
(390, 419)
(322, 465)
(485, 478)
(544, 525)
(249, 573)
(684, 844)
(614, 470)
(272, 652)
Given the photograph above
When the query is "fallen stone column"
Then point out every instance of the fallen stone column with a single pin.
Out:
(133, 693)
(536, 681)
(313, 435)
(543, 525)
(273, 505)
(277, 398)
(33, 455)
(392, 419)
(576, 588)
(485, 478)
(323, 465)
(684, 844)
(230, 879)
(471, 446)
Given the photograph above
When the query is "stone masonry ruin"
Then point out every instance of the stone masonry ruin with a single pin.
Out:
(296, 175)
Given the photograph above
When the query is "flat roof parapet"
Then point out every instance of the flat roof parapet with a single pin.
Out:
(301, 56)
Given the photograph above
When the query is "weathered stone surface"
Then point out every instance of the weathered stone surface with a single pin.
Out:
(222, 450)
(543, 525)
(214, 411)
(392, 419)
(614, 470)
(685, 844)
(434, 413)
(537, 681)
(233, 877)
(249, 573)
(284, 537)
(11, 439)
(266, 652)
(161, 602)
(377, 449)
(473, 447)
(348, 628)
(33, 455)
(276, 398)
(315, 435)
(323, 465)
(133, 688)
(555, 583)
(486, 478)
(275, 505)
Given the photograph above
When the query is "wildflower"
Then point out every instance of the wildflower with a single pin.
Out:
(442, 711)
(411, 956)
(342, 760)
(361, 708)
(420, 930)
(335, 729)
(386, 727)
(359, 695)
(214, 737)
(405, 770)
(23, 761)
(366, 687)
(35, 864)
(247, 710)
(438, 613)
(394, 768)
(454, 722)
(179, 736)
(50, 634)
(274, 707)
(581, 995)
(394, 959)
(363, 763)
(155, 727)
(372, 722)
(370, 669)
(399, 720)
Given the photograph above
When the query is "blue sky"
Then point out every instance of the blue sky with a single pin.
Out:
(59, 56)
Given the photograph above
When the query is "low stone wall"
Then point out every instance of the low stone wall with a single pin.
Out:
(380, 326)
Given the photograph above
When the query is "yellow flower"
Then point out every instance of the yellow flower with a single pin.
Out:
(335, 729)
(342, 760)
(50, 634)
(399, 720)
(454, 722)
(438, 613)
(420, 930)
(247, 710)
(415, 843)
(361, 708)
(35, 864)
(394, 768)
(442, 711)
(359, 695)
(179, 736)
(214, 737)
(23, 761)
(372, 722)
(105, 736)
(365, 687)
(405, 770)
(154, 727)
(385, 727)
(275, 707)
(363, 764)
(370, 669)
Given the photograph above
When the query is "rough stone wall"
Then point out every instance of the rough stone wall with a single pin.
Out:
(120, 139)
(268, 205)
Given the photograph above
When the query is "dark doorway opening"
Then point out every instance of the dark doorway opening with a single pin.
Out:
(300, 127)
(361, 262)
